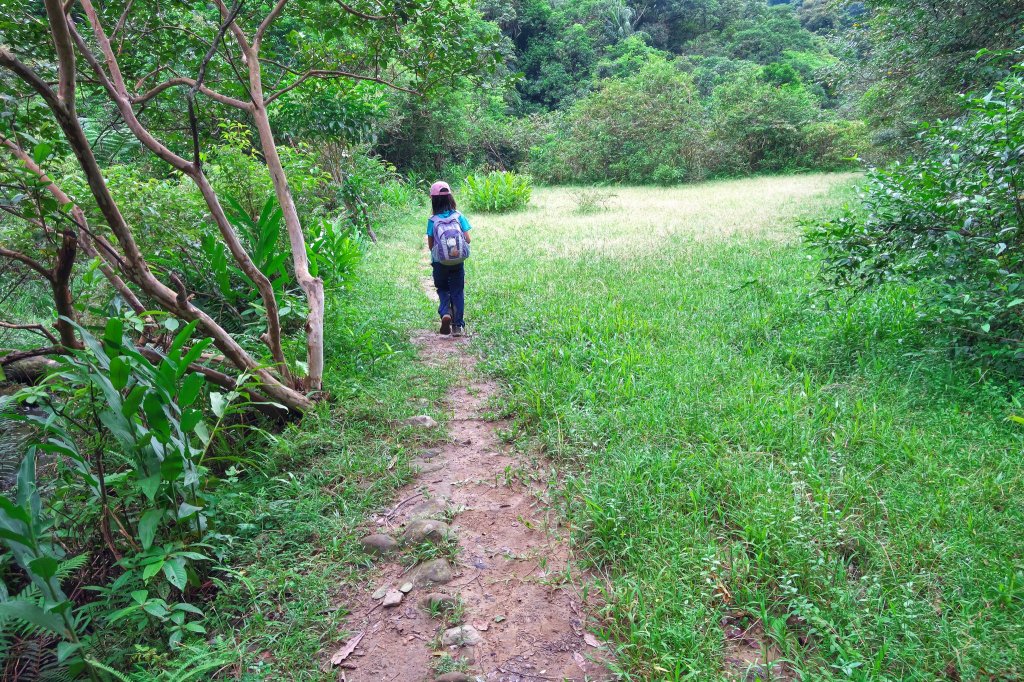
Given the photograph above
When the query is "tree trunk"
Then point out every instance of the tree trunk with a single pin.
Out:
(312, 286)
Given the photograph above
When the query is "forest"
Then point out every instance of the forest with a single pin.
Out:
(741, 396)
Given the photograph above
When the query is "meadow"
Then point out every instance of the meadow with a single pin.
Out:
(735, 448)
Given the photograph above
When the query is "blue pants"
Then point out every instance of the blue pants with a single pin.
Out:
(450, 281)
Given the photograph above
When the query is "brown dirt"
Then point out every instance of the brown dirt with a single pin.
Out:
(510, 571)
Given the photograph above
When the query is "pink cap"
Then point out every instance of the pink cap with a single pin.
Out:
(440, 187)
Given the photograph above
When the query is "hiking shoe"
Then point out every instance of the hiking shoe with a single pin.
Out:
(446, 325)
(460, 330)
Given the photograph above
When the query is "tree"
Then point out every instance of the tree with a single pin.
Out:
(134, 57)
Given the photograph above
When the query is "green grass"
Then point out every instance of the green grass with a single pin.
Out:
(730, 442)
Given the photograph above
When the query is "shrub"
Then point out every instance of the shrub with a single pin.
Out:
(628, 130)
(951, 220)
(497, 192)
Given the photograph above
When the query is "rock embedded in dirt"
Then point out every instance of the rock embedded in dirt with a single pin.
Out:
(427, 467)
(406, 588)
(463, 635)
(422, 420)
(436, 572)
(430, 453)
(392, 598)
(438, 600)
(424, 530)
(379, 544)
(433, 508)
(454, 677)
(379, 594)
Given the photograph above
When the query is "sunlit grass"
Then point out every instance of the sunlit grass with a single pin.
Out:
(734, 444)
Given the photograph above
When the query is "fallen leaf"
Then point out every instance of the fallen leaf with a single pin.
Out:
(591, 640)
(498, 619)
(480, 625)
(344, 652)
(580, 661)
(392, 463)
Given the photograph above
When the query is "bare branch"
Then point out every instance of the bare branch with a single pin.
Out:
(191, 82)
(325, 73)
(36, 328)
(27, 260)
(362, 15)
(124, 17)
(240, 37)
(16, 355)
(265, 24)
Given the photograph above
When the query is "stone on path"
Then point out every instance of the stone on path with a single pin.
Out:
(427, 467)
(430, 453)
(433, 508)
(379, 594)
(379, 544)
(392, 598)
(436, 572)
(422, 420)
(406, 588)
(438, 600)
(424, 530)
(454, 677)
(463, 635)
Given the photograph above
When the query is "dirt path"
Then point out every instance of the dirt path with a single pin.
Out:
(520, 617)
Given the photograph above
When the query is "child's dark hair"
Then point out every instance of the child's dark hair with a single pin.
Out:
(442, 203)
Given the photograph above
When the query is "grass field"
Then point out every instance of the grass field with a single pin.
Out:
(731, 445)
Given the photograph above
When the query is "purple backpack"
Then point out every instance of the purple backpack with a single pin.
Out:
(450, 245)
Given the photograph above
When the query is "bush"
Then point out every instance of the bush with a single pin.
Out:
(951, 220)
(631, 128)
(497, 192)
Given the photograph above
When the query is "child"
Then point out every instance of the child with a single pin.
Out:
(450, 275)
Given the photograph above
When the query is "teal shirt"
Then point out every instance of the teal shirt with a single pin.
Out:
(462, 221)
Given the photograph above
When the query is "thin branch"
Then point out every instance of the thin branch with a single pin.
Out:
(265, 24)
(124, 17)
(16, 355)
(362, 15)
(27, 260)
(192, 83)
(324, 73)
(37, 328)
(240, 37)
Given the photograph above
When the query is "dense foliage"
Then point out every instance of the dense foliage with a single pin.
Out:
(497, 192)
(950, 220)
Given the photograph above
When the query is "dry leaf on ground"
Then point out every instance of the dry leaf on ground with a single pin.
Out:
(344, 652)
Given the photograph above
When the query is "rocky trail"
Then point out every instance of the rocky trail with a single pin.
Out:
(488, 597)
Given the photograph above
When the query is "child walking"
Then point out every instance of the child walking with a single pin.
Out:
(448, 240)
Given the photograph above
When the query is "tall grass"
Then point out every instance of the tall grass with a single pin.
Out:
(733, 444)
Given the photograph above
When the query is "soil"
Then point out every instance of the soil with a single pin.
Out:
(509, 571)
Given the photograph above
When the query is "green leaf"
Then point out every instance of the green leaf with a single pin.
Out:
(113, 333)
(218, 403)
(175, 572)
(190, 389)
(190, 419)
(149, 485)
(45, 567)
(133, 401)
(41, 151)
(119, 372)
(148, 525)
(32, 613)
(140, 596)
(152, 570)
(153, 406)
(65, 649)
(156, 608)
(186, 510)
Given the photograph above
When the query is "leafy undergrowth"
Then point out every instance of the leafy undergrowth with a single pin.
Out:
(732, 444)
